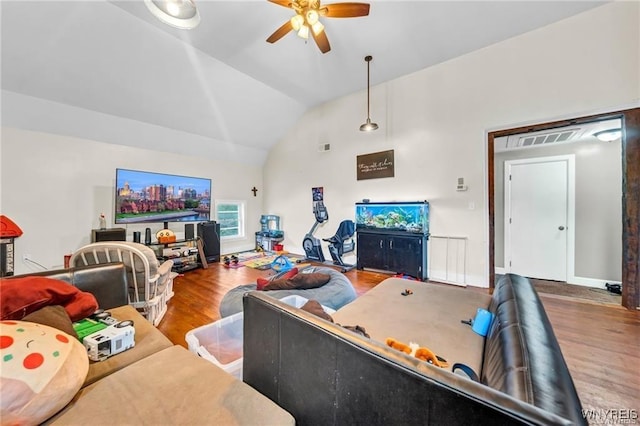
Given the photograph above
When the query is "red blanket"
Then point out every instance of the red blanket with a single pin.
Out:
(21, 296)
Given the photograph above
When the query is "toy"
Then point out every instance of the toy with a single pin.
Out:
(419, 352)
(281, 264)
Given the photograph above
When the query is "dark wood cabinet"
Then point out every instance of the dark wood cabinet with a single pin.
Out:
(371, 251)
(395, 252)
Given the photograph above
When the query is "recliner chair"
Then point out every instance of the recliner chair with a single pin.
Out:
(150, 282)
(342, 242)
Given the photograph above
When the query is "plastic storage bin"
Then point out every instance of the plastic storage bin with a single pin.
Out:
(221, 342)
(299, 301)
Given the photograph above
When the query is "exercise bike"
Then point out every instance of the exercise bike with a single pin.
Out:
(339, 244)
(312, 246)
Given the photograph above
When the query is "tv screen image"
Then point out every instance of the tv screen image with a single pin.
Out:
(158, 197)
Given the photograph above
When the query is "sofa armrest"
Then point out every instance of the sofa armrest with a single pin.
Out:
(522, 356)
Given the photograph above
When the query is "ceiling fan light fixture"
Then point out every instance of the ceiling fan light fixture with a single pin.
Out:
(303, 32)
(177, 13)
(368, 126)
(312, 16)
(297, 22)
(307, 19)
(608, 135)
(317, 28)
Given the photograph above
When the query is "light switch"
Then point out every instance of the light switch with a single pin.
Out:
(461, 186)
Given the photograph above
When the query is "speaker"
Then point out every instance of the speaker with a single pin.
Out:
(113, 234)
(147, 236)
(188, 231)
(136, 236)
(209, 233)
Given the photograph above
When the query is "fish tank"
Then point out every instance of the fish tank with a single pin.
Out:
(412, 216)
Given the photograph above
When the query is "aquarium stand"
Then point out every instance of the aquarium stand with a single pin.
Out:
(397, 252)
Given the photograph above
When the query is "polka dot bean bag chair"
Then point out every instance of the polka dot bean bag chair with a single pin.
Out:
(41, 369)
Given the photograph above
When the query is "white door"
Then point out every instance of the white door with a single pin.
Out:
(536, 203)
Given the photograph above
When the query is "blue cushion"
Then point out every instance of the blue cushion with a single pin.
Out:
(334, 294)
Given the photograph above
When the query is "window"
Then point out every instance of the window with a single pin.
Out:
(230, 216)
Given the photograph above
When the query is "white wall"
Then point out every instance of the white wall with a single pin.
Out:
(54, 187)
(437, 119)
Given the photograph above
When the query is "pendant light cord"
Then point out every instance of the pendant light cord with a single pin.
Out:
(368, 126)
(368, 59)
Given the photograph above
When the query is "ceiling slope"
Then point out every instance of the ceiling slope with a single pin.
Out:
(222, 81)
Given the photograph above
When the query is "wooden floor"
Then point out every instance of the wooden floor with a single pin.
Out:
(600, 343)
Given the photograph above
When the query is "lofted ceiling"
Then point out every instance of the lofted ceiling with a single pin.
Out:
(222, 81)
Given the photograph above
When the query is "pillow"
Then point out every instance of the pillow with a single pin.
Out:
(22, 296)
(42, 369)
(314, 307)
(54, 316)
(299, 281)
(262, 282)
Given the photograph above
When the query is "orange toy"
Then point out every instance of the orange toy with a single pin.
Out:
(421, 353)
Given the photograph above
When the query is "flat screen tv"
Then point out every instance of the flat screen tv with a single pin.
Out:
(143, 197)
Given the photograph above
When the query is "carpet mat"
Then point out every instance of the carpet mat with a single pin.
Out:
(576, 291)
(263, 260)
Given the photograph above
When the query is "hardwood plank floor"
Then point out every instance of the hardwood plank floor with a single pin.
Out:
(600, 343)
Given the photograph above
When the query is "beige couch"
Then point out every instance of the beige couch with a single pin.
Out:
(156, 382)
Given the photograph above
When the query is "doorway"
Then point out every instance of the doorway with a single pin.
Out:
(537, 216)
(630, 146)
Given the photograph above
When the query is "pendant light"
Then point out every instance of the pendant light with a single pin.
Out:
(368, 126)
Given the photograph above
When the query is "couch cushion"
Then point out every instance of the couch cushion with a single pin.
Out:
(149, 340)
(172, 387)
(430, 317)
(300, 281)
(54, 316)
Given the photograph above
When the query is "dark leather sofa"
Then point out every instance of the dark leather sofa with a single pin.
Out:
(324, 374)
(108, 282)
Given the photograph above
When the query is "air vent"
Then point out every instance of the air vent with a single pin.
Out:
(528, 140)
(538, 139)
(323, 147)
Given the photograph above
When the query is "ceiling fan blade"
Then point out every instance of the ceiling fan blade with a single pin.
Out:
(280, 32)
(345, 10)
(284, 3)
(322, 41)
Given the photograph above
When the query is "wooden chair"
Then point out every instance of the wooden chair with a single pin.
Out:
(150, 282)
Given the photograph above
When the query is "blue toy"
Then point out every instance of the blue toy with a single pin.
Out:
(281, 264)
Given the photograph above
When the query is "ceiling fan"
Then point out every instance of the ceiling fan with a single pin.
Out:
(307, 19)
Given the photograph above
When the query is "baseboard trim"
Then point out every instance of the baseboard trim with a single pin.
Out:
(590, 282)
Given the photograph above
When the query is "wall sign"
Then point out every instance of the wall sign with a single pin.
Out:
(375, 165)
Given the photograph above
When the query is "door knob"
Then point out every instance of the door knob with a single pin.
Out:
(561, 228)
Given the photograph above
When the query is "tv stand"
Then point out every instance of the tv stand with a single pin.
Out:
(184, 254)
